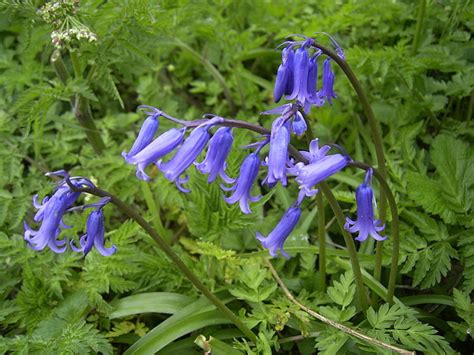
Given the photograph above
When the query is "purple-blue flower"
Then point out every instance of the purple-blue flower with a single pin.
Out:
(219, 148)
(50, 214)
(164, 144)
(327, 89)
(278, 154)
(187, 153)
(298, 125)
(275, 240)
(145, 136)
(366, 223)
(94, 235)
(320, 167)
(300, 77)
(284, 78)
(243, 185)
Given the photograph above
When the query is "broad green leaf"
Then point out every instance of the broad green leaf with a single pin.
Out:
(196, 315)
(152, 302)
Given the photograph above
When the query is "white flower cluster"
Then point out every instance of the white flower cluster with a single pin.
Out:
(72, 37)
(54, 12)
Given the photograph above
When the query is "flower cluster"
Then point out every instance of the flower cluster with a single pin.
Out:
(72, 37)
(297, 79)
(50, 213)
(54, 12)
(68, 31)
(297, 75)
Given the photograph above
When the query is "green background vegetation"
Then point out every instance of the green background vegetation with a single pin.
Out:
(194, 57)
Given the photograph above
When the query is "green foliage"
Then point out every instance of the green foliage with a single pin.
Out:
(450, 194)
(399, 324)
(194, 57)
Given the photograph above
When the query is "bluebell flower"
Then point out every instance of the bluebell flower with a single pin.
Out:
(327, 89)
(319, 168)
(366, 223)
(300, 77)
(164, 144)
(275, 240)
(94, 235)
(278, 154)
(298, 125)
(187, 153)
(219, 148)
(50, 214)
(315, 153)
(284, 79)
(145, 136)
(243, 184)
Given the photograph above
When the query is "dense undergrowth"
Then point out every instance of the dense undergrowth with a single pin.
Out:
(194, 57)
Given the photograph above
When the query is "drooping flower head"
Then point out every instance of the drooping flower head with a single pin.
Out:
(301, 75)
(279, 140)
(275, 240)
(51, 217)
(219, 148)
(52, 210)
(284, 78)
(187, 153)
(278, 154)
(50, 214)
(95, 232)
(146, 134)
(297, 76)
(243, 184)
(298, 125)
(319, 168)
(327, 90)
(366, 224)
(164, 144)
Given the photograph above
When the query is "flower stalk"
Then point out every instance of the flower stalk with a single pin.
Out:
(376, 136)
(132, 213)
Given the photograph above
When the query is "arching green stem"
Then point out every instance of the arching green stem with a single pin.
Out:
(321, 217)
(132, 213)
(322, 241)
(360, 288)
(376, 136)
(327, 192)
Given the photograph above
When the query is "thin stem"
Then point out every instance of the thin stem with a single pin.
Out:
(375, 131)
(82, 110)
(298, 338)
(341, 327)
(76, 63)
(332, 202)
(154, 210)
(469, 107)
(59, 66)
(419, 26)
(132, 213)
(322, 241)
(395, 227)
(377, 267)
(360, 288)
